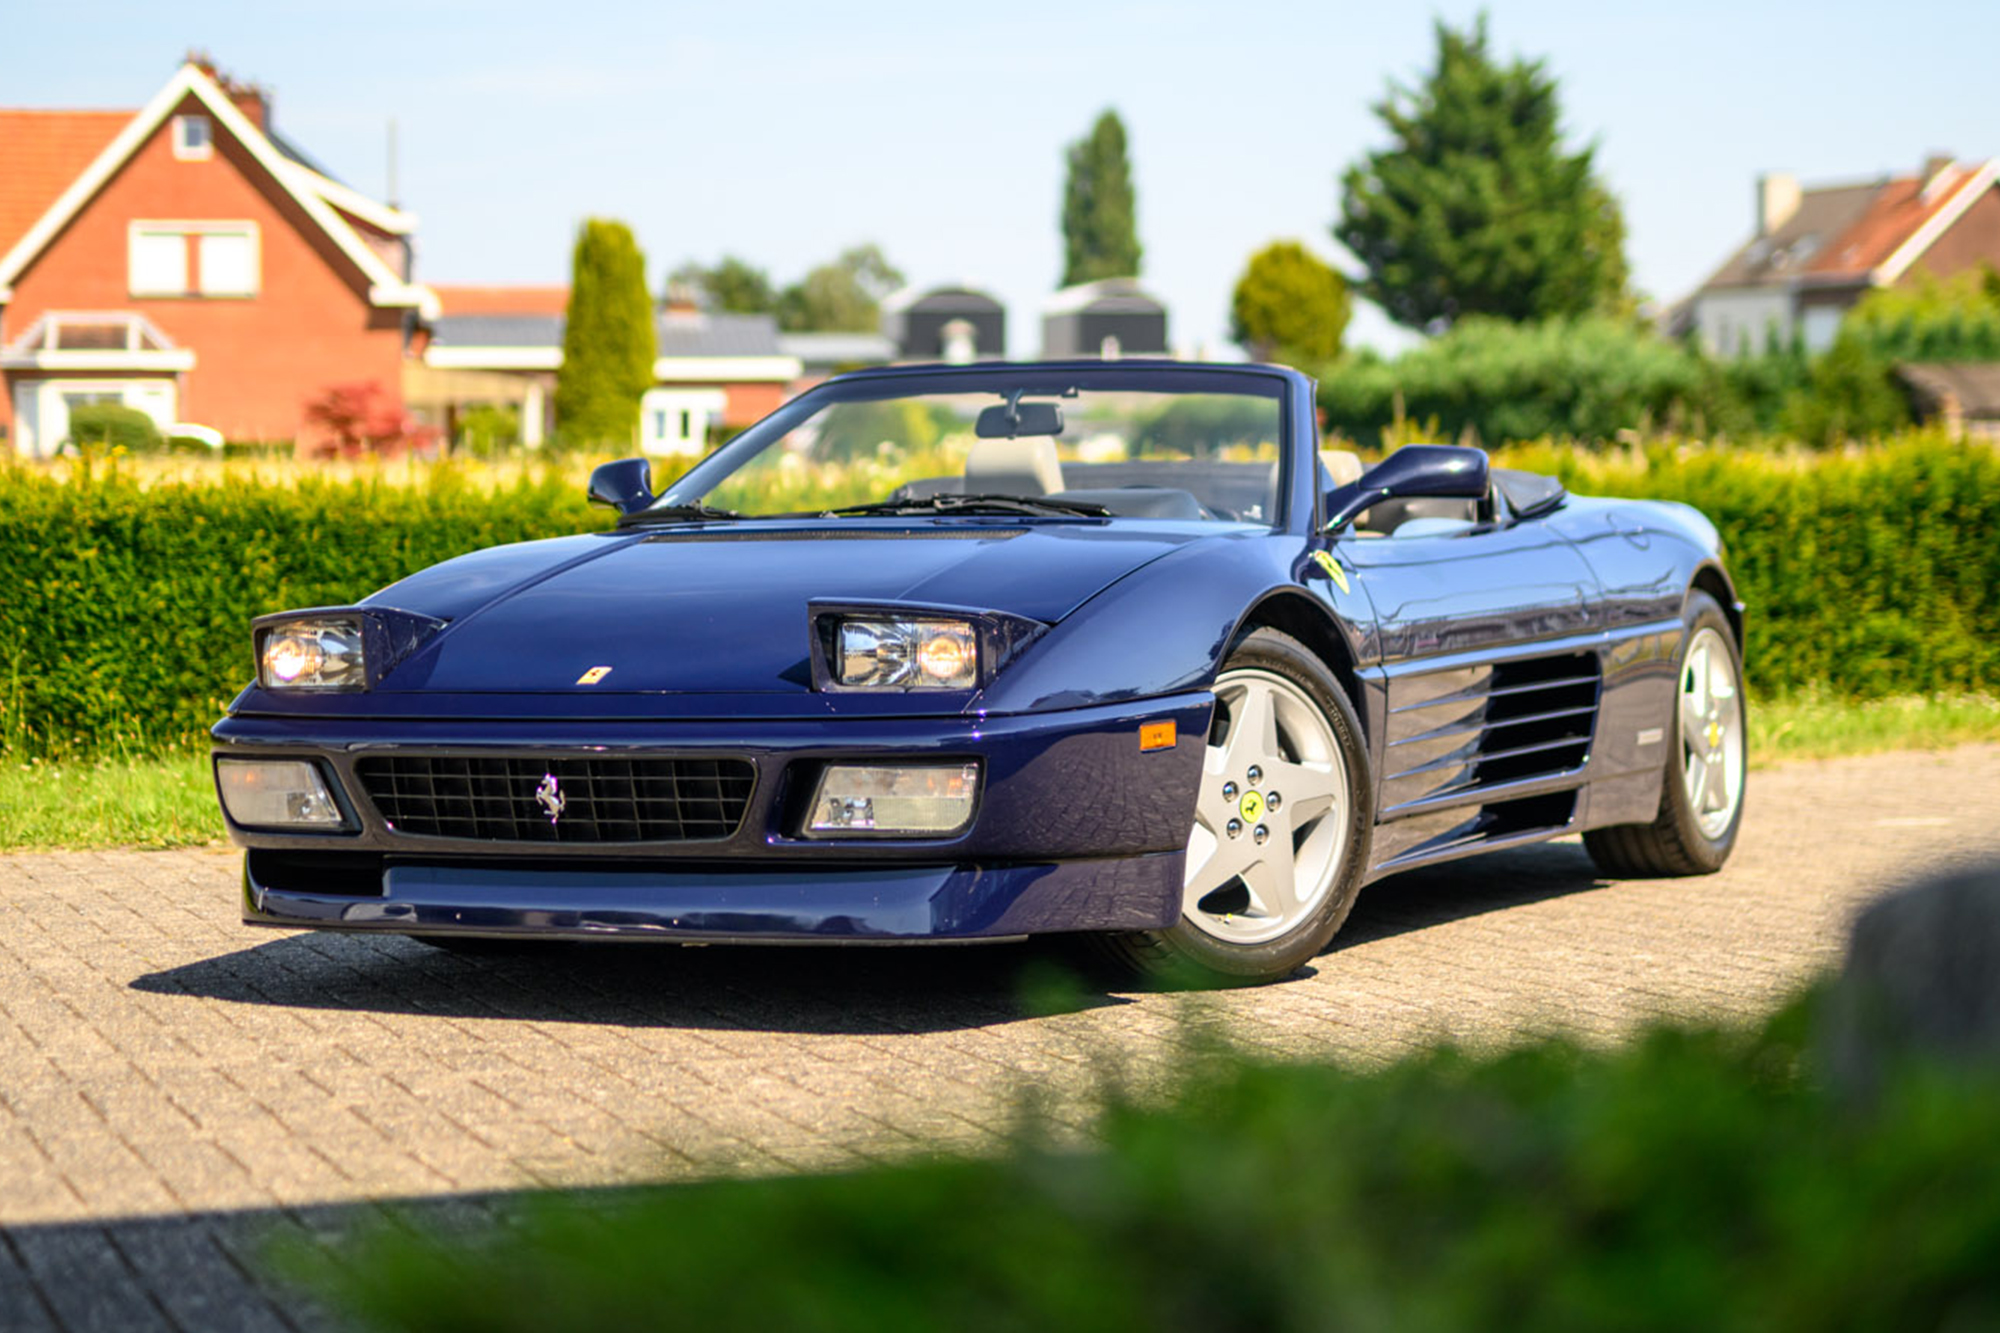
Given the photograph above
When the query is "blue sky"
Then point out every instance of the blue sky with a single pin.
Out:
(783, 132)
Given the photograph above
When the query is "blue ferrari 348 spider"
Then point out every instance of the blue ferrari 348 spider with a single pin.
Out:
(951, 653)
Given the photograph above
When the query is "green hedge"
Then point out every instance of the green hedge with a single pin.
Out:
(124, 616)
(1693, 1180)
(1867, 574)
(124, 612)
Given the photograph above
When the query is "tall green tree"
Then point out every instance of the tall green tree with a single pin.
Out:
(1100, 212)
(1289, 305)
(1476, 208)
(731, 284)
(608, 338)
(844, 296)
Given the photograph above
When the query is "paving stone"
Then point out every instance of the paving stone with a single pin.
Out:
(174, 1085)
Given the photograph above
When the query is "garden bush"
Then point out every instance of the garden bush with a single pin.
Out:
(124, 617)
(1693, 1179)
(113, 426)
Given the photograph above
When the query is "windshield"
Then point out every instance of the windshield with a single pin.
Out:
(1063, 445)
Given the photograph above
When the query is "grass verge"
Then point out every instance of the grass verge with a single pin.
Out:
(170, 802)
(151, 801)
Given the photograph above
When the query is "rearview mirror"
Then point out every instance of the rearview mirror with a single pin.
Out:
(1435, 471)
(626, 485)
(1010, 421)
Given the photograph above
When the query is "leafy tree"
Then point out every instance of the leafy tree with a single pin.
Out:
(1932, 319)
(1476, 209)
(1100, 213)
(843, 296)
(608, 338)
(1289, 305)
(732, 284)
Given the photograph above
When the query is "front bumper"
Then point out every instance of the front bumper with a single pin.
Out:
(1076, 828)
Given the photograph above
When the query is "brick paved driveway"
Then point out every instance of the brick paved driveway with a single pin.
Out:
(172, 1083)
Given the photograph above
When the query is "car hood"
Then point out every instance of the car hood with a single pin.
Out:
(724, 610)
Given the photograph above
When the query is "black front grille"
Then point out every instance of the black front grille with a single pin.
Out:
(508, 798)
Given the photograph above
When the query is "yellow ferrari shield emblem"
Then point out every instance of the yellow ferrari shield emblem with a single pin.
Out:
(1325, 561)
(1252, 806)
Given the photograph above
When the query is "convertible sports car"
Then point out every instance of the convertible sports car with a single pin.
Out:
(955, 653)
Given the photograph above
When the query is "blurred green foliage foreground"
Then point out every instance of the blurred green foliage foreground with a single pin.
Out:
(1815, 1173)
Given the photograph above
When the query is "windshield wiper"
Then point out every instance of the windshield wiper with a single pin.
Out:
(676, 514)
(978, 504)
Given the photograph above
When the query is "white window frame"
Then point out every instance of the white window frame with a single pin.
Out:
(194, 280)
(184, 147)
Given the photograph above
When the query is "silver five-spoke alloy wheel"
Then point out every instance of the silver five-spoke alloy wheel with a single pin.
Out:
(1271, 817)
(1711, 732)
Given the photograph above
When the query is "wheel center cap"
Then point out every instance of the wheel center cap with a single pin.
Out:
(1714, 735)
(1252, 806)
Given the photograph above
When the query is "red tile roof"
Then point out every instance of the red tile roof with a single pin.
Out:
(41, 153)
(1898, 210)
(502, 300)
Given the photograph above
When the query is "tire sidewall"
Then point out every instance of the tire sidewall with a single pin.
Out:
(1268, 650)
(1703, 612)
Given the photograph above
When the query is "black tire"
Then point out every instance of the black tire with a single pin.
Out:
(1186, 955)
(1674, 844)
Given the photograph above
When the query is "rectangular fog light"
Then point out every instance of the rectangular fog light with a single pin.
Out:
(921, 799)
(276, 793)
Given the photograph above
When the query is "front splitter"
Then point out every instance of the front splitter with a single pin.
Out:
(879, 904)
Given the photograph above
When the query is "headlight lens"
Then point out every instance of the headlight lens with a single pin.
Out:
(323, 653)
(920, 799)
(276, 793)
(906, 654)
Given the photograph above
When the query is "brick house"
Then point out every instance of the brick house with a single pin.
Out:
(187, 260)
(1815, 252)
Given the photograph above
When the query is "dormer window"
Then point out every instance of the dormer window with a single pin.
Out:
(193, 138)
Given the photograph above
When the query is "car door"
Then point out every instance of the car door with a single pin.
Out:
(1489, 674)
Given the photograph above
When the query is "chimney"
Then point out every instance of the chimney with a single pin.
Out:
(1935, 163)
(1777, 200)
(252, 99)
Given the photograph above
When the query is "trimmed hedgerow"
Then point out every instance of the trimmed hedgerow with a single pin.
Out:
(1868, 573)
(124, 615)
(124, 607)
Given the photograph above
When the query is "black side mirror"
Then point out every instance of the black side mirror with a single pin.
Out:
(1434, 471)
(626, 485)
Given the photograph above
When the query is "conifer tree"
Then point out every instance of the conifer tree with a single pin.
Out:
(1476, 209)
(608, 339)
(1100, 214)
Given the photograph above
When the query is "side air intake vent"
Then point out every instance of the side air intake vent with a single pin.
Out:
(1467, 729)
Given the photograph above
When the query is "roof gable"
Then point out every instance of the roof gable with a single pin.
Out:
(1858, 233)
(321, 198)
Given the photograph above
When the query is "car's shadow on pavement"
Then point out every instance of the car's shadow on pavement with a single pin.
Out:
(1492, 882)
(851, 990)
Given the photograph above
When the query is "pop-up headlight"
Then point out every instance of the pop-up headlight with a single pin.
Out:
(336, 649)
(892, 648)
(906, 655)
(317, 653)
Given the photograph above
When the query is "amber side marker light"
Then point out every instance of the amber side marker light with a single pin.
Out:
(1157, 736)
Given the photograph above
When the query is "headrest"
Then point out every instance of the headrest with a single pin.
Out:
(1342, 466)
(1027, 466)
